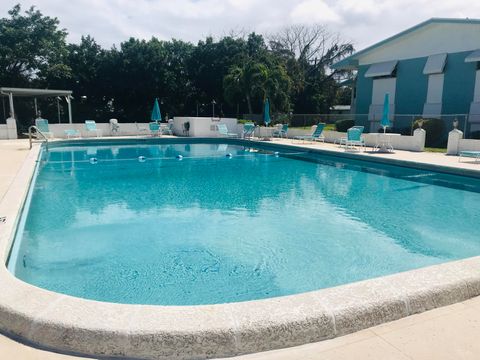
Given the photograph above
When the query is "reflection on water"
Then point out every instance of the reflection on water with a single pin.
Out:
(213, 229)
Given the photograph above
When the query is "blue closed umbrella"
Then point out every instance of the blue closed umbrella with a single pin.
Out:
(266, 112)
(156, 115)
(385, 122)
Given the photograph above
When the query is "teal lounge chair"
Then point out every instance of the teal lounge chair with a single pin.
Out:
(470, 154)
(354, 138)
(315, 136)
(154, 128)
(343, 140)
(42, 126)
(281, 132)
(248, 130)
(69, 133)
(91, 126)
(223, 131)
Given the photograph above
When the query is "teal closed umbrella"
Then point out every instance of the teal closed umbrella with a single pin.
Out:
(385, 122)
(156, 115)
(266, 112)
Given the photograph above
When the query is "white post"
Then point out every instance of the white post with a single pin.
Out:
(454, 138)
(12, 110)
(69, 99)
(36, 107)
(419, 135)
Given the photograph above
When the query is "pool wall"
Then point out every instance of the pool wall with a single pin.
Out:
(77, 326)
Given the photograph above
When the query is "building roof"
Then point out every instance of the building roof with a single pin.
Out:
(5, 91)
(351, 62)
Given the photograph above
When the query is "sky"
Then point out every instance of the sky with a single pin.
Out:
(363, 22)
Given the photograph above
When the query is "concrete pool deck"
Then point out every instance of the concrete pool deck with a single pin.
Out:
(453, 283)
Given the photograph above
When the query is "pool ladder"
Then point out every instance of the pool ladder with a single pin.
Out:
(37, 132)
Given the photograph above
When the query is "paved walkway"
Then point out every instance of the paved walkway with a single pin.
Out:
(448, 333)
(419, 157)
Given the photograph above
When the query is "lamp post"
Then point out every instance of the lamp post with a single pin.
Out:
(213, 108)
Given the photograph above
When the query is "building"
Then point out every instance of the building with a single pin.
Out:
(431, 70)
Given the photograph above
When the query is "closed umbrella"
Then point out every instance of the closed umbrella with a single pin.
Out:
(156, 115)
(385, 122)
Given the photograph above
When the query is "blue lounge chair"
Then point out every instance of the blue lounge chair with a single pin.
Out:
(315, 136)
(343, 140)
(223, 131)
(470, 154)
(91, 126)
(154, 128)
(42, 126)
(69, 133)
(248, 130)
(281, 132)
(354, 138)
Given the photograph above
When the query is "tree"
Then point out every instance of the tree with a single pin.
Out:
(32, 48)
(309, 52)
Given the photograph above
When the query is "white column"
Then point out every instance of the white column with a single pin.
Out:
(69, 99)
(12, 110)
(11, 128)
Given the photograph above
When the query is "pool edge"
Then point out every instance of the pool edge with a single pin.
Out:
(63, 323)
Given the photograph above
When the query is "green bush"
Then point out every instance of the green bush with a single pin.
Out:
(344, 125)
(435, 131)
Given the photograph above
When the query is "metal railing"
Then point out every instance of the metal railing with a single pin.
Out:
(37, 132)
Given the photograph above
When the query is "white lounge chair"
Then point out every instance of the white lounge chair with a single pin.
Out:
(91, 126)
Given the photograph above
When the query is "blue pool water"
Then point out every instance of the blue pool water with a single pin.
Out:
(212, 229)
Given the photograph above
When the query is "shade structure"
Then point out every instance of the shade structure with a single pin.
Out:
(156, 115)
(266, 112)
(385, 121)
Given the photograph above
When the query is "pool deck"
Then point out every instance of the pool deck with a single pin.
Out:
(449, 332)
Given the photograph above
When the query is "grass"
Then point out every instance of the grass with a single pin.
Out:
(436, 150)
(328, 127)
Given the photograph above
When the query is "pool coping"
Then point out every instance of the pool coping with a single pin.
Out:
(85, 327)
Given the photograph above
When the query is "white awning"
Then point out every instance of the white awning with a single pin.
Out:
(474, 56)
(381, 69)
(435, 64)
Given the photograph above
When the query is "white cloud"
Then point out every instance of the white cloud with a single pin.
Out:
(314, 11)
(363, 21)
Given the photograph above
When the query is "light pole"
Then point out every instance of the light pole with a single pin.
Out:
(213, 108)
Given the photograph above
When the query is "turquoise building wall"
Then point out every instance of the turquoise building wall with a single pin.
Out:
(459, 84)
(412, 86)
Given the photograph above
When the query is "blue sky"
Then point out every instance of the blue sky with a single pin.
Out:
(362, 21)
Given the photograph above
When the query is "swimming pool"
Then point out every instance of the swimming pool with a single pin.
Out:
(139, 225)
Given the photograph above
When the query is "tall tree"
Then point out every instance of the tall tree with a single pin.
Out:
(310, 51)
(32, 48)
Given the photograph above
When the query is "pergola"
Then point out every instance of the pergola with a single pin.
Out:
(36, 93)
